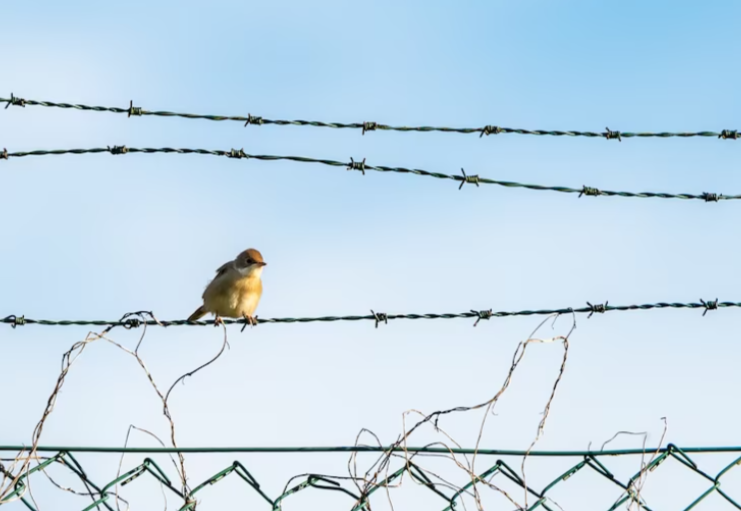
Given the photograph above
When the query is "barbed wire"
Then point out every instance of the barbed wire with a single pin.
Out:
(362, 166)
(366, 126)
(592, 462)
(381, 317)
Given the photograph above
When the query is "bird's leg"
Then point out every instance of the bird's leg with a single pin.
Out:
(251, 320)
(217, 320)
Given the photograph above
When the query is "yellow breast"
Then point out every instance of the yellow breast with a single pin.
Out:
(233, 297)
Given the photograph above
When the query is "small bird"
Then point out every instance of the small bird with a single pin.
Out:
(235, 290)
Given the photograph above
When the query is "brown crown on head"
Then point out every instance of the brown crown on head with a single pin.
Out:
(249, 256)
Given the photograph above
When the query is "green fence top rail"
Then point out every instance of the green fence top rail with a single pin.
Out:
(363, 448)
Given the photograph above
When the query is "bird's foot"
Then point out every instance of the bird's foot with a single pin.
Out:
(249, 320)
(218, 320)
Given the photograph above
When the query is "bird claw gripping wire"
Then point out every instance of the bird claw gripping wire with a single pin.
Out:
(15, 320)
(725, 134)
(485, 314)
(588, 190)
(468, 179)
(711, 197)
(4, 154)
(380, 316)
(356, 165)
(249, 320)
(253, 120)
(490, 130)
(609, 134)
(369, 126)
(710, 305)
(236, 154)
(118, 149)
(597, 308)
(134, 110)
(15, 101)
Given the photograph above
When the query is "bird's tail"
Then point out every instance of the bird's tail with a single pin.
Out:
(198, 314)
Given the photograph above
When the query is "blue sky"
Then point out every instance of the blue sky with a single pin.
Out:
(95, 236)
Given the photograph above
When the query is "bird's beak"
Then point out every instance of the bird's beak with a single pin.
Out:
(261, 264)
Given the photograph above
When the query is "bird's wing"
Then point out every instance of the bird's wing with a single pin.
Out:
(223, 269)
(220, 272)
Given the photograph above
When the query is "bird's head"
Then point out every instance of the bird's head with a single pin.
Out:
(250, 262)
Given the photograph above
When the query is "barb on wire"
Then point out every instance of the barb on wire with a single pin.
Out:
(468, 179)
(13, 101)
(490, 130)
(729, 134)
(597, 308)
(133, 110)
(709, 305)
(590, 309)
(369, 126)
(380, 317)
(711, 197)
(609, 134)
(484, 314)
(362, 167)
(356, 165)
(253, 120)
(725, 134)
(118, 149)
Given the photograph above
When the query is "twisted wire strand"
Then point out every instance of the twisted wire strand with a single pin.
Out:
(363, 166)
(590, 309)
(373, 126)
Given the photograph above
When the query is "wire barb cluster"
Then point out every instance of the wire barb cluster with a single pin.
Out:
(134, 110)
(380, 317)
(725, 134)
(13, 101)
(253, 120)
(118, 149)
(362, 166)
(729, 134)
(356, 165)
(468, 179)
(609, 134)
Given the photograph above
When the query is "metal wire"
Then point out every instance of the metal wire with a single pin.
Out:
(133, 322)
(374, 126)
(362, 166)
(592, 461)
(366, 448)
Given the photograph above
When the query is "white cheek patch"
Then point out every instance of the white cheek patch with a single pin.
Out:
(251, 271)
